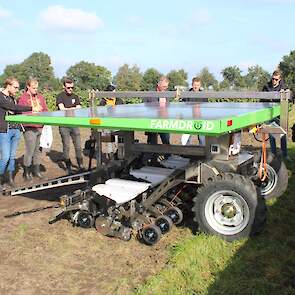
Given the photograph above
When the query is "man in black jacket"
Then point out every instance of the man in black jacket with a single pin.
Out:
(9, 132)
(277, 84)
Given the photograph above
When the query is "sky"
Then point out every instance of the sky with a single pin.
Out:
(165, 35)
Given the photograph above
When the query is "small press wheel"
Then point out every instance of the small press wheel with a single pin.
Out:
(151, 234)
(175, 214)
(164, 223)
(85, 219)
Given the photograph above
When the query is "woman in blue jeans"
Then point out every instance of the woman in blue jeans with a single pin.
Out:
(9, 132)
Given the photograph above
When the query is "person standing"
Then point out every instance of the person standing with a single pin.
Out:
(9, 132)
(162, 85)
(277, 84)
(67, 100)
(196, 87)
(110, 101)
(32, 132)
(110, 147)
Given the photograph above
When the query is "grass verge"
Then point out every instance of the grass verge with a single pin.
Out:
(265, 264)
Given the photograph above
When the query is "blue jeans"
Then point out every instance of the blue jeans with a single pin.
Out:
(8, 146)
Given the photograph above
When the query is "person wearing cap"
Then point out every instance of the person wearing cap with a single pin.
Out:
(110, 147)
(110, 101)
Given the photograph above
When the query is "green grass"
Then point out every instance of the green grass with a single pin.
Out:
(265, 264)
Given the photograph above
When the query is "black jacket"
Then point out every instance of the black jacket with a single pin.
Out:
(7, 104)
(193, 99)
(269, 87)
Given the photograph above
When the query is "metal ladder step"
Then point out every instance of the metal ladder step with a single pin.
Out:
(52, 183)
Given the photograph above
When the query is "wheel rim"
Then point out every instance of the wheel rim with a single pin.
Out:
(85, 219)
(150, 235)
(174, 215)
(163, 224)
(227, 212)
(270, 182)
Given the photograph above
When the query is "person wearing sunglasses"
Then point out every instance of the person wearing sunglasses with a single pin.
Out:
(9, 132)
(277, 84)
(65, 101)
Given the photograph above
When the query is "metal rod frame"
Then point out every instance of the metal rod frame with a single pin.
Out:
(153, 95)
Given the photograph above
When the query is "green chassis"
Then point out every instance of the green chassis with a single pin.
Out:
(224, 119)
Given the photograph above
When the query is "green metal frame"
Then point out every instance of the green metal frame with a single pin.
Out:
(203, 127)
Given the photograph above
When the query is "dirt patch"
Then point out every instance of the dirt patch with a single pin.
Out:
(38, 258)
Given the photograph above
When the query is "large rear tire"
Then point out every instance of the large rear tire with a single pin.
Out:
(228, 207)
(276, 182)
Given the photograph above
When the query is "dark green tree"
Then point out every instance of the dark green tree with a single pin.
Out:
(150, 79)
(38, 66)
(224, 84)
(256, 78)
(233, 76)
(177, 78)
(128, 78)
(208, 79)
(89, 76)
(13, 71)
(287, 66)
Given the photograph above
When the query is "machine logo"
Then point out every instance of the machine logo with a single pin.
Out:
(204, 125)
(172, 124)
(198, 125)
(182, 125)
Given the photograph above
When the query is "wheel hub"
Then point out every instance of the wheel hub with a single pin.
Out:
(150, 235)
(228, 210)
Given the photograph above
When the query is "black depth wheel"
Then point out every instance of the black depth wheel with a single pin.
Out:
(175, 214)
(164, 223)
(151, 234)
(85, 219)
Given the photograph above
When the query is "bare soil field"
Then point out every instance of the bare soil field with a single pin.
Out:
(38, 258)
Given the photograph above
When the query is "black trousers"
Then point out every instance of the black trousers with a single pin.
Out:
(152, 138)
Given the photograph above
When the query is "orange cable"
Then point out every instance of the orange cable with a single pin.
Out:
(263, 166)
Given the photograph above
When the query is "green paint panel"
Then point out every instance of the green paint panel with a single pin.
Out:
(193, 118)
